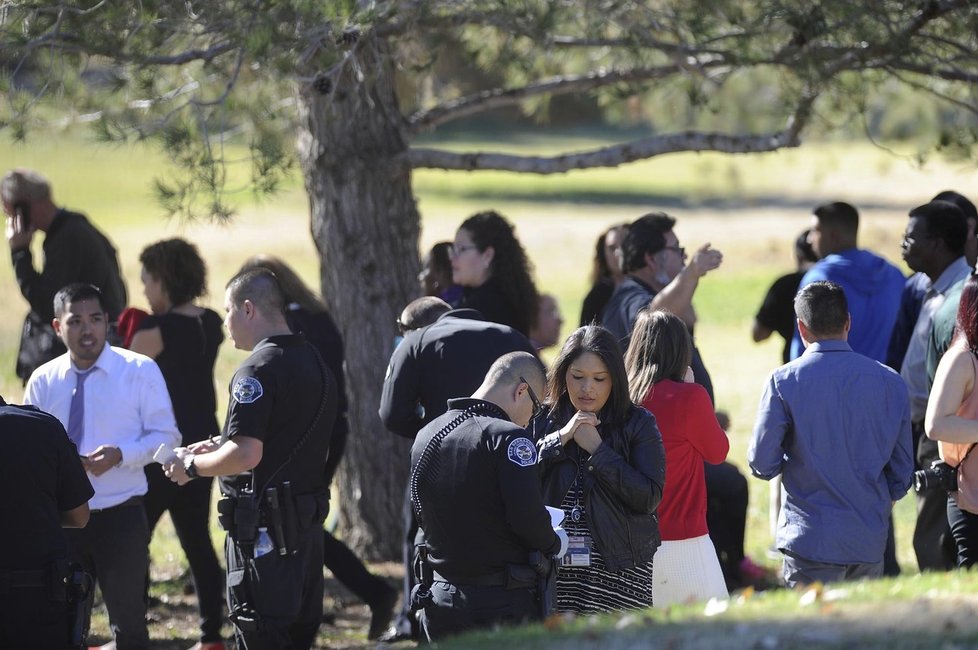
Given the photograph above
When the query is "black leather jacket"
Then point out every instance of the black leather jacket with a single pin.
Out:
(623, 483)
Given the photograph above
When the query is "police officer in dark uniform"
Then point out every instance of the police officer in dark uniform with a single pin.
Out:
(449, 358)
(272, 457)
(44, 489)
(476, 491)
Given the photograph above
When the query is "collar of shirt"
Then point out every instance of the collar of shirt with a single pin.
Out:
(829, 345)
(486, 408)
(955, 271)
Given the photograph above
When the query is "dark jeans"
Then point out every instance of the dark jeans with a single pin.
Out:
(964, 529)
(932, 540)
(454, 609)
(114, 549)
(31, 620)
(350, 571)
(799, 571)
(190, 509)
(287, 592)
(726, 517)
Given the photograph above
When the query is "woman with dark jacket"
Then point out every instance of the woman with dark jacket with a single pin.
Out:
(604, 465)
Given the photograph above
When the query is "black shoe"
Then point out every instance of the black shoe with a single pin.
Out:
(381, 614)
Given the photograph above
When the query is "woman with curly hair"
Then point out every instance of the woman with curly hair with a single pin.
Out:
(183, 338)
(494, 272)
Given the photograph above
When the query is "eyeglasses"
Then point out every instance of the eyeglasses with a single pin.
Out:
(910, 240)
(679, 250)
(455, 251)
(537, 406)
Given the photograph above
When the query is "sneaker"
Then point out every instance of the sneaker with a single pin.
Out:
(208, 645)
(753, 574)
(381, 614)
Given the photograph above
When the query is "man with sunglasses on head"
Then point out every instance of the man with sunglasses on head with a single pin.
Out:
(476, 491)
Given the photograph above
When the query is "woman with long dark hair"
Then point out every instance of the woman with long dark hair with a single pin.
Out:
(606, 274)
(952, 416)
(183, 338)
(494, 271)
(686, 568)
(604, 465)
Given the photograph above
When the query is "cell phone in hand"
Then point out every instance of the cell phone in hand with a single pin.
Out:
(22, 211)
(164, 455)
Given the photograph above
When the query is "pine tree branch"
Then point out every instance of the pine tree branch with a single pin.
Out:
(499, 97)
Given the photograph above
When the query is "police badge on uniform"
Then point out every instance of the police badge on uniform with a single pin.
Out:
(247, 390)
(522, 452)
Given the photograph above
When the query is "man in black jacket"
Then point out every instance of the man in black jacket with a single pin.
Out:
(74, 251)
(476, 489)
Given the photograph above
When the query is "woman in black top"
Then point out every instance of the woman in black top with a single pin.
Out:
(494, 272)
(183, 338)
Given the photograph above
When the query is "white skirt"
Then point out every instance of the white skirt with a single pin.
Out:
(686, 571)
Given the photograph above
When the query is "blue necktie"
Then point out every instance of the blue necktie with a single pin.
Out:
(76, 413)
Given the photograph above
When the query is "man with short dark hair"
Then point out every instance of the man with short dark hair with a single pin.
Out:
(873, 286)
(271, 459)
(116, 409)
(477, 492)
(74, 251)
(836, 426)
(656, 274)
(45, 489)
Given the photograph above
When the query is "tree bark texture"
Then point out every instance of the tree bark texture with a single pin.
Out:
(365, 225)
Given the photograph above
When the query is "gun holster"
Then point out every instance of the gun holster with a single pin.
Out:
(75, 588)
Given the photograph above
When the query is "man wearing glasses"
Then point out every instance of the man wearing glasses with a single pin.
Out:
(476, 492)
(657, 274)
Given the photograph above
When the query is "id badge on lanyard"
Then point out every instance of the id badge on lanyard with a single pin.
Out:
(578, 551)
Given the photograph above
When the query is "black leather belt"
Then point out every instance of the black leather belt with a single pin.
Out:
(131, 501)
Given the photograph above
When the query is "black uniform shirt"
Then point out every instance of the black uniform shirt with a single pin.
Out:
(447, 359)
(275, 394)
(41, 476)
(481, 508)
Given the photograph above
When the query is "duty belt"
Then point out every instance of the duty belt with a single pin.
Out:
(497, 579)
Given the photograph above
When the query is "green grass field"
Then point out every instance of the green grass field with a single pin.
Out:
(750, 207)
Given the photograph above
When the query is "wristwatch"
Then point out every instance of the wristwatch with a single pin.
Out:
(190, 468)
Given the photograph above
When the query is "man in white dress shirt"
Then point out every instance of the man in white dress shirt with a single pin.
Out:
(116, 408)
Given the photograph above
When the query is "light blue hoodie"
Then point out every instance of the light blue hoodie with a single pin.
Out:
(873, 289)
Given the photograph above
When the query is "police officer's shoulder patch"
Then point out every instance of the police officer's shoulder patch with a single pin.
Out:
(522, 451)
(247, 390)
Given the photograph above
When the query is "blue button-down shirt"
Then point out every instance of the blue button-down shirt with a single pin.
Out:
(836, 426)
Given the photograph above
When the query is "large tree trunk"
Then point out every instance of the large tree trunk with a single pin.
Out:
(365, 224)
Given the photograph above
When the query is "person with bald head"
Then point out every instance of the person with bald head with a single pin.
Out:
(477, 495)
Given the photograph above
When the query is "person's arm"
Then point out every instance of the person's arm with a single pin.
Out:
(899, 469)
(765, 454)
(238, 454)
(159, 427)
(76, 517)
(519, 483)
(954, 381)
(704, 432)
(677, 296)
(63, 259)
(148, 342)
(399, 403)
(637, 484)
(760, 332)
